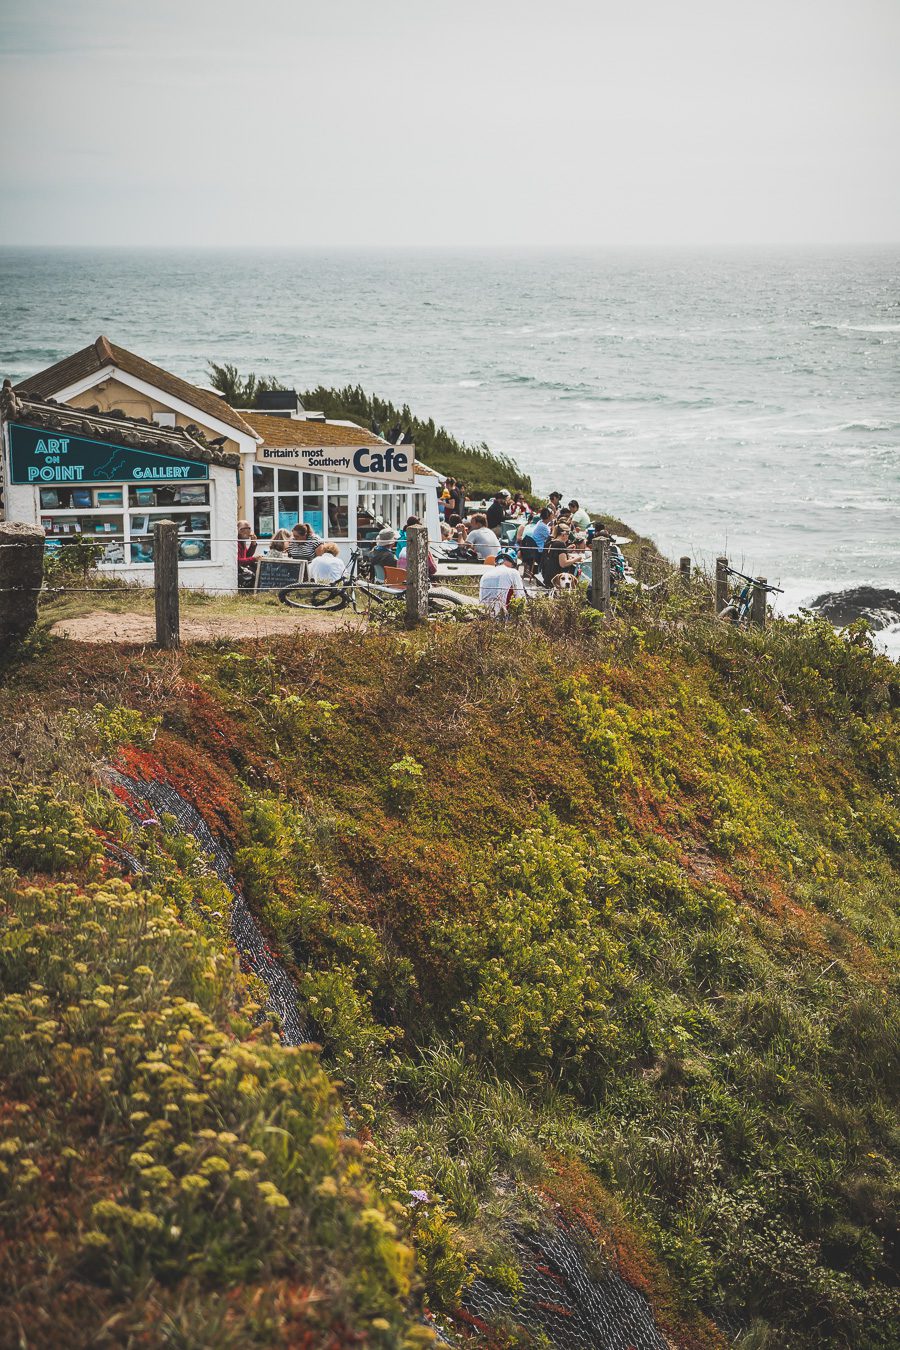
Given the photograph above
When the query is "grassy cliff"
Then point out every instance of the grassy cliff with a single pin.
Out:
(586, 921)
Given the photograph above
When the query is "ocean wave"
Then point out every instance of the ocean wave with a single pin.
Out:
(870, 426)
(859, 327)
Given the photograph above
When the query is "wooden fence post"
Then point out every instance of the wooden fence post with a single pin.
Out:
(721, 584)
(165, 580)
(758, 603)
(416, 574)
(600, 587)
(684, 568)
(21, 575)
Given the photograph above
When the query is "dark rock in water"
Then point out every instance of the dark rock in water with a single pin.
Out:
(880, 608)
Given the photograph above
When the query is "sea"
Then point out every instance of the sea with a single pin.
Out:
(744, 402)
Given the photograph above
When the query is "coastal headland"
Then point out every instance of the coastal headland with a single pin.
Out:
(582, 938)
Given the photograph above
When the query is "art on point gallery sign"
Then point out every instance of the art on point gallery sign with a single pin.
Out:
(388, 463)
(38, 457)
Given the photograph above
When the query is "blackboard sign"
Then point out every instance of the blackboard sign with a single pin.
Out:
(273, 574)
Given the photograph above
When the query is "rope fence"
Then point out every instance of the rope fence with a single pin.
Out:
(21, 579)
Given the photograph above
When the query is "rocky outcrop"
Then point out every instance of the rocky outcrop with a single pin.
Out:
(879, 607)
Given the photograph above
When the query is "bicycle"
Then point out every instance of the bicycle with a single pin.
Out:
(352, 591)
(739, 606)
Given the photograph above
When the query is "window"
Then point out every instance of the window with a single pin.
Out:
(283, 497)
(121, 516)
(164, 419)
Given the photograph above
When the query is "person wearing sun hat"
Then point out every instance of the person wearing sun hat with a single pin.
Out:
(384, 552)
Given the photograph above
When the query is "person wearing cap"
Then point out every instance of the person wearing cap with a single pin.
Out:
(501, 584)
(383, 554)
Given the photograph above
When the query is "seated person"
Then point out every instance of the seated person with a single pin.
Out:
(247, 542)
(481, 538)
(500, 583)
(534, 538)
(279, 542)
(303, 542)
(327, 565)
(556, 556)
(432, 565)
(580, 518)
(384, 552)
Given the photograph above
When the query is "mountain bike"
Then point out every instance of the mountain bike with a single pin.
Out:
(351, 591)
(739, 606)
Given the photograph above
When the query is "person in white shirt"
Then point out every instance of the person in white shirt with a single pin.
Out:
(500, 584)
(580, 518)
(327, 566)
(482, 538)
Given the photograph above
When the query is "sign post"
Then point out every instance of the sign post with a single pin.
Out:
(165, 579)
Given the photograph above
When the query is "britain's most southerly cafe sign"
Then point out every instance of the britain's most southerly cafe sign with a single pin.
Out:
(391, 463)
(37, 457)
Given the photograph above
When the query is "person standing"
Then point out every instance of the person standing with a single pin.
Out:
(496, 512)
(458, 493)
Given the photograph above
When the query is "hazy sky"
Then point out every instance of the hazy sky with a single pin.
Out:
(450, 121)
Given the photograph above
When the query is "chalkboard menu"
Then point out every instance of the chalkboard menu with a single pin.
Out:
(273, 574)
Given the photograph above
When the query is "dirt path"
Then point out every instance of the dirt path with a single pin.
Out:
(109, 626)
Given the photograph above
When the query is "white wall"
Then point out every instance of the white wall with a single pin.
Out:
(23, 504)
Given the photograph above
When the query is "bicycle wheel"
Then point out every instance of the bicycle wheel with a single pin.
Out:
(309, 595)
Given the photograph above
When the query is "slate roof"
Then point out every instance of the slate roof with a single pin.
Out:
(103, 353)
(189, 443)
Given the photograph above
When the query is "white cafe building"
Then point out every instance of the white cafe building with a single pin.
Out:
(274, 468)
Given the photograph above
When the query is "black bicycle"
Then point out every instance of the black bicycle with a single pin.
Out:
(740, 605)
(353, 591)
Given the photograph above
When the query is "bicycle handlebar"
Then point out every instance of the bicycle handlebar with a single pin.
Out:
(755, 581)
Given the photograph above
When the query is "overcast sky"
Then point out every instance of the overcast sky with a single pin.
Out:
(450, 122)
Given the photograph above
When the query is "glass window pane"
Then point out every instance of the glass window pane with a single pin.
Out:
(288, 480)
(264, 517)
(314, 513)
(338, 517)
(142, 550)
(288, 512)
(263, 478)
(312, 482)
(193, 550)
